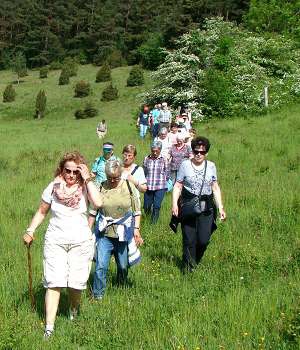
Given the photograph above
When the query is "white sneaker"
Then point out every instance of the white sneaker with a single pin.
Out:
(48, 334)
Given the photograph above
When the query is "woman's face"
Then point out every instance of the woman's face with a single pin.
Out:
(174, 129)
(179, 143)
(128, 158)
(163, 136)
(199, 154)
(70, 173)
(114, 179)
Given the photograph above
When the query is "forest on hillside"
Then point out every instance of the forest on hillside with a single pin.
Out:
(121, 31)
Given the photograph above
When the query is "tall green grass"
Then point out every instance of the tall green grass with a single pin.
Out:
(244, 295)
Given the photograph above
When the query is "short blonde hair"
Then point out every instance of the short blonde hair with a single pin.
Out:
(129, 149)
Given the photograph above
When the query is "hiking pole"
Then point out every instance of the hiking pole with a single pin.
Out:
(30, 277)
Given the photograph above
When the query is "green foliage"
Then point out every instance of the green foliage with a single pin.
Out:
(71, 66)
(115, 59)
(110, 93)
(104, 73)
(82, 89)
(136, 76)
(55, 65)
(9, 94)
(274, 16)
(89, 111)
(40, 105)
(18, 65)
(151, 52)
(44, 72)
(222, 70)
(64, 77)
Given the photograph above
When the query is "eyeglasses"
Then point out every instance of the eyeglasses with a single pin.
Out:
(69, 171)
(195, 151)
(113, 179)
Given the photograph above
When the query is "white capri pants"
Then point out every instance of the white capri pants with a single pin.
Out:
(67, 265)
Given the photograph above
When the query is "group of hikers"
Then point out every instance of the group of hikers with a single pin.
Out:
(104, 205)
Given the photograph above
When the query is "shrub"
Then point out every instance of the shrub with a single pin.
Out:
(151, 52)
(40, 104)
(136, 76)
(44, 72)
(71, 66)
(55, 65)
(82, 89)
(103, 74)
(9, 94)
(64, 78)
(89, 111)
(115, 59)
(109, 93)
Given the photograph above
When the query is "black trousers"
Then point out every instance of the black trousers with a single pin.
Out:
(196, 233)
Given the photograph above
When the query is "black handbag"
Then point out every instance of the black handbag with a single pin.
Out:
(190, 204)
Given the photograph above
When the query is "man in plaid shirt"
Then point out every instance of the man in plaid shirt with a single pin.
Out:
(157, 173)
(165, 116)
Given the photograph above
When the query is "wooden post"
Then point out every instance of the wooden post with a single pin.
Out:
(266, 97)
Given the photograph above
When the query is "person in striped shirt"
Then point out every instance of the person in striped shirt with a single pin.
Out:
(157, 173)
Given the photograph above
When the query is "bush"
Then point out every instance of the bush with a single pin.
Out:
(64, 78)
(151, 53)
(82, 89)
(89, 111)
(55, 65)
(103, 74)
(136, 76)
(110, 93)
(115, 59)
(40, 104)
(23, 72)
(44, 72)
(71, 66)
(9, 94)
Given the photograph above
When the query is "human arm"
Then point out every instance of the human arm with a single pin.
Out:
(218, 199)
(137, 230)
(93, 194)
(141, 187)
(37, 219)
(175, 196)
(138, 120)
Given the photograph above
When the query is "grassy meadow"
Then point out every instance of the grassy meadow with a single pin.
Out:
(246, 292)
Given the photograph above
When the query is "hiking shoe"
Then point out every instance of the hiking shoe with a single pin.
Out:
(73, 314)
(47, 334)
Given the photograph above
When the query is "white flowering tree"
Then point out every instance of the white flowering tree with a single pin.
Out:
(222, 70)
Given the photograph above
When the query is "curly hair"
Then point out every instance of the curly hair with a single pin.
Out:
(75, 157)
(200, 141)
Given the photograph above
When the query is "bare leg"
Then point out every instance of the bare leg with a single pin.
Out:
(74, 295)
(51, 304)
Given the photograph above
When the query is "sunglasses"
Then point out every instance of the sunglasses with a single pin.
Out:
(203, 153)
(69, 171)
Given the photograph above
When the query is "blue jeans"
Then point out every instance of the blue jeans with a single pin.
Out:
(155, 129)
(105, 247)
(152, 203)
(143, 130)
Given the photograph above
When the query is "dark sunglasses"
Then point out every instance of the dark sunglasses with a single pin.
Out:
(113, 179)
(203, 153)
(69, 171)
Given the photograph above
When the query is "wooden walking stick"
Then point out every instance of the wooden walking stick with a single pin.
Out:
(32, 300)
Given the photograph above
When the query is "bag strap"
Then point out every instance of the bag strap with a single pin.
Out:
(134, 170)
(129, 188)
(205, 167)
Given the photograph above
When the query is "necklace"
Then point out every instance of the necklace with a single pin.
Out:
(198, 168)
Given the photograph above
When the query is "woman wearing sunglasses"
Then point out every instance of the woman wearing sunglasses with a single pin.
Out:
(69, 243)
(197, 177)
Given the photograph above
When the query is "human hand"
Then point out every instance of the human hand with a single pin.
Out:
(222, 214)
(137, 237)
(84, 171)
(28, 239)
(175, 210)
